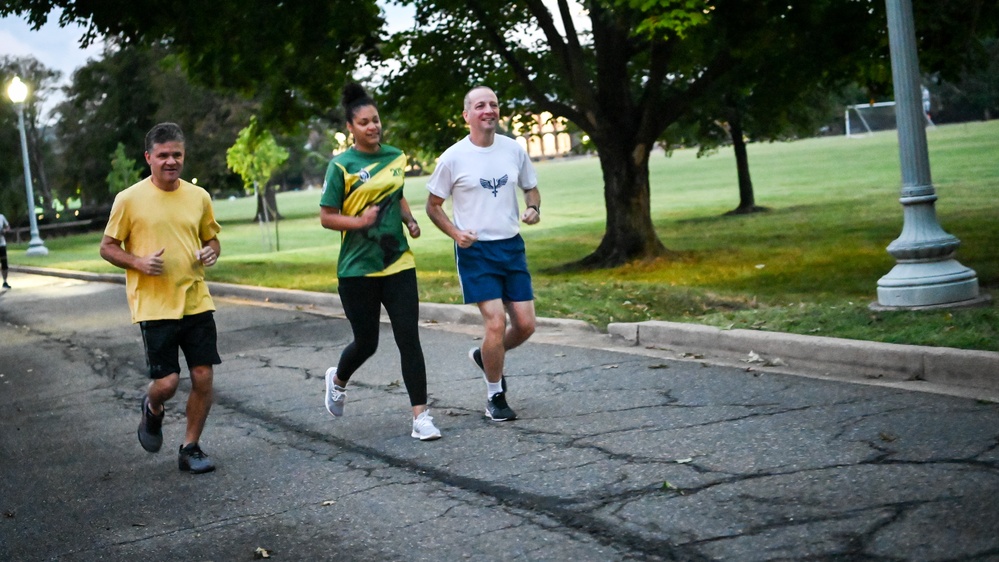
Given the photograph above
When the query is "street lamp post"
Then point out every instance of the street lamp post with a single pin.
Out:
(926, 273)
(18, 92)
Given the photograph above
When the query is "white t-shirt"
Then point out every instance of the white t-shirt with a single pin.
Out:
(480, 182)
(4, 225)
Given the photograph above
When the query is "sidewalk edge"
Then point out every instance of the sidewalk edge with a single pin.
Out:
(819, 355)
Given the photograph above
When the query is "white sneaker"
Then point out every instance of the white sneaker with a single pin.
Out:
(336, 395)
(423, 427)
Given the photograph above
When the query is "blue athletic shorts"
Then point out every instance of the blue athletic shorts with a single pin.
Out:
(195, 335)
(494, 269)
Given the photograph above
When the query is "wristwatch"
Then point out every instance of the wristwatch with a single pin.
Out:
(536, 208)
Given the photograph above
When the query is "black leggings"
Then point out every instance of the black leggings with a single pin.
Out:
(362, 299)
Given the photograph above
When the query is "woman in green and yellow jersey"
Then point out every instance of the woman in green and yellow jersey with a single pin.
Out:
(363, 199)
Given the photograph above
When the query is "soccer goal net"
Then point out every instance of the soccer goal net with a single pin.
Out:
(865, 118)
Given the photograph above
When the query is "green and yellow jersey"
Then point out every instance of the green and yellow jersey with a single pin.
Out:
(355, 180)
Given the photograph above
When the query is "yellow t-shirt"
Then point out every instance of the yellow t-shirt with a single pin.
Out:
(146, 219)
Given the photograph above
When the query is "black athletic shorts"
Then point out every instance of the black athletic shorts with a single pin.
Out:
(195, 335)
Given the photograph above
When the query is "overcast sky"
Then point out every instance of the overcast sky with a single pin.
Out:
(53, 46)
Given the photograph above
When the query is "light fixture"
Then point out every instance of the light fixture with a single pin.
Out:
(17, 91)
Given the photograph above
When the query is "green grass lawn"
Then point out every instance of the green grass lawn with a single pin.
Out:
(809, 266)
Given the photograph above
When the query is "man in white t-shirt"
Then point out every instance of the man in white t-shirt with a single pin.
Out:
(4, 228)
(482, 174)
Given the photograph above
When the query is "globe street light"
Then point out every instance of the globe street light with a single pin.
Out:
(18, 92)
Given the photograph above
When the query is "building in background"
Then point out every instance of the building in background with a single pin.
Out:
(543, 136)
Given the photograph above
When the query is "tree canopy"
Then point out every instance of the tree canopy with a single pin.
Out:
(293, 56)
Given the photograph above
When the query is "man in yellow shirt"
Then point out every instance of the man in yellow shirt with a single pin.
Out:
(163, 232)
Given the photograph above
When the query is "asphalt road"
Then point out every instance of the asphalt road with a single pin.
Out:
(617, 455)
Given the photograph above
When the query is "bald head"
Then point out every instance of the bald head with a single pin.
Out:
(470, 95)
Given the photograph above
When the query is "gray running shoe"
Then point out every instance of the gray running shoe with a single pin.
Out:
(192, 459)
(150, 428)
(497, 409)
(336, 395)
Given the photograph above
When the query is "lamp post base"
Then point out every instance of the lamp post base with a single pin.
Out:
(920, 284)
(36, 249)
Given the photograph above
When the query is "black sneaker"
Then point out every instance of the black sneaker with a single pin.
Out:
(150, 428)
(5, 285)
(475, 354)
(497, 409)
(192, 459)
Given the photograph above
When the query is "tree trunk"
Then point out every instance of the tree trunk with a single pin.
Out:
(267, 193)
(747, 200)
(630, 234)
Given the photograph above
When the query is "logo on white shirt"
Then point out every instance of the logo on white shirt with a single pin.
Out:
(494, 184)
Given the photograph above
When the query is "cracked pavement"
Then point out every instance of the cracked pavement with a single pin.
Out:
(616, 455)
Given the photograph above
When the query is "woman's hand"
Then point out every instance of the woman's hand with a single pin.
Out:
(414, 228)
(369, 216)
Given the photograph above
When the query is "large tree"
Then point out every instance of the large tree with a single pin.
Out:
(623, 72)
(792, 58)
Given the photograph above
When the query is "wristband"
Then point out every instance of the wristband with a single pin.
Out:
(536, 209)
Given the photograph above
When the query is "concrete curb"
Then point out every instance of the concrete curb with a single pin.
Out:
(429, 312)
(821, 355)
(816, 355)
